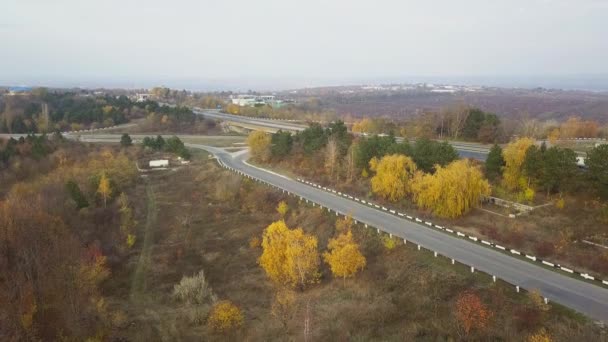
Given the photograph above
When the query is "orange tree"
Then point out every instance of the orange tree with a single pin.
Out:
(471, 313)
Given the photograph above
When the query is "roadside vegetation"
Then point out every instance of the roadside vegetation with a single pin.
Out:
(427, 178)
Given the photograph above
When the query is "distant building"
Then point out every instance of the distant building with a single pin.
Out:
(159, 163)
(142, 97)
(253, 100)
(19, 90)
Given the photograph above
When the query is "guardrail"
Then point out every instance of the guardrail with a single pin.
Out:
(473, 238)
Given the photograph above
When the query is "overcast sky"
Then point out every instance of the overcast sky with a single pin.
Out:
(304, 42)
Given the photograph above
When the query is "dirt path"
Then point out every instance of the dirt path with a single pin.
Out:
(138, 283)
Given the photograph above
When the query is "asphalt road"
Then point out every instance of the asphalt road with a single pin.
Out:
(466, 150)
(589, 299)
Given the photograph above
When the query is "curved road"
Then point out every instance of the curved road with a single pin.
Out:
(589, 299)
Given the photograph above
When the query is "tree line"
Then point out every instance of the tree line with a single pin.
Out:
(525, 167)
(427, 172)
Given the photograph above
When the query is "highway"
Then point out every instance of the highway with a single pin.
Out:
(586, 298)
(466, 150)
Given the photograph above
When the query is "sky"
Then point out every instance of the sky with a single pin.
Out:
(214, 44)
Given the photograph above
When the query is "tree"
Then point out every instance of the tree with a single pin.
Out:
(302, 258)
(313, 138)
(259, 145)
(452, 190)
(514, 155)
(282, 208)
(225, 316)
(368, 148)
(559, 168)
(597, 161)
(127, 221)
(344, 225)
(471, 313)
(473, 123)
(332, 153)
(554, 135)
(533, 165)
(344, 257)
(77, 196)
(428, 153)
(495, 162)
(289, 257)
(393, 176)
(125, 140)
(281, 143)
(283, 306)
(338, 131)
(104, 189)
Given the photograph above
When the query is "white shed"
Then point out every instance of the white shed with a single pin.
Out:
(159, 163)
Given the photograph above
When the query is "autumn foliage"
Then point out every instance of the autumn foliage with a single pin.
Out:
(289, 256)
(225, 316)
(259, 145)
(514, 155)
(471, 313)
(393, 176)
(344, 257)
(452, 190)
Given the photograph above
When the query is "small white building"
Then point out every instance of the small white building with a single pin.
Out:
(142, 97)
(252, 100)
(159, 163)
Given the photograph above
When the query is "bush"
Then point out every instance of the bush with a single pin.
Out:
(225, 316)
(255, 242)
(194, 290)
(125, 140)
(389, 243)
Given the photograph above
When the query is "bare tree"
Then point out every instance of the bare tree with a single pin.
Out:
(332, 152)
(456, 116)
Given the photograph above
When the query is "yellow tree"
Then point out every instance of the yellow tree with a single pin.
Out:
(302, 259)
(452, 190)
(345, 224)
(104, 189)
(540, 336)
(225, 316)
(289, 257)
(282, 208)
(344, 257)
(274, 246)
(514, 155)
(393, 176)
(259, 145)
(554, 135)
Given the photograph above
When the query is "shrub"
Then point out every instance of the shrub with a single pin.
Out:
(560, 203)
(131, 240)
(389, 243)
(225, 316)
(255, 242)
(194, 290)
